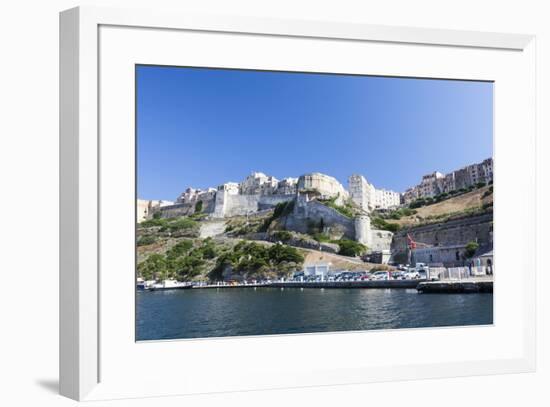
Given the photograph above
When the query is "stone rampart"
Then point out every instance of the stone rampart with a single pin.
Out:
(380, 240)
(172, 211)
(235, 205)
(454, 232)
(307, 215)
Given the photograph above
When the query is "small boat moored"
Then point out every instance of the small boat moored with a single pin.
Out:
(170, 285)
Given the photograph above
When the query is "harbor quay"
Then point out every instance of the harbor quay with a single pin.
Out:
(463, 286)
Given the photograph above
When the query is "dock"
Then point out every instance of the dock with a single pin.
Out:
(470, 285)
(322, 284)
(455, 287)
(251, 285)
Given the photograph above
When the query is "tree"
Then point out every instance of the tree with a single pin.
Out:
(198, 207)
(179, 249)
(351, 248)
(154, 267)
(471, 248)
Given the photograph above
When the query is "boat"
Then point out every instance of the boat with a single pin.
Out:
(170, 285)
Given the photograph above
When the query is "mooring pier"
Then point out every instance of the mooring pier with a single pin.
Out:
(459, 287)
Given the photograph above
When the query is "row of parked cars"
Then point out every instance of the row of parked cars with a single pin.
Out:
(412, 274)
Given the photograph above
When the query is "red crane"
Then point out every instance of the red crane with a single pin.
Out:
(410, 242)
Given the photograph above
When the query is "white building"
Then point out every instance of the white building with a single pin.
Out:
(258, 183)
(385, 199)
(287, 186)
(436, 183)
(361, 192)
(316, 270)
(367, 197)
(192, 195)
(145, 208)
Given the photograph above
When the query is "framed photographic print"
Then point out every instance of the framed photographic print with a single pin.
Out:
(256, 204)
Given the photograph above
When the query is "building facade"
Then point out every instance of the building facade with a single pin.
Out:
(323, 186)
(368, 198)
(146, 208)
(437, 183)
(258, 183)
(361, 192)
(386, 199)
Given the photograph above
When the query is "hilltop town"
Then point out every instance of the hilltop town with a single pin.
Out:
(316, 218)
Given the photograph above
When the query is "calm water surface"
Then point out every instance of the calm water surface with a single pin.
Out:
(201, 313)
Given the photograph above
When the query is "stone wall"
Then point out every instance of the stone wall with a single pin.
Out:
(172, 211)
(308, 214)
(242, 204)
(363, 232)
(381, 240)
(451, 233)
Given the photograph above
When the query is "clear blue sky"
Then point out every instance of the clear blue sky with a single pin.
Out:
(202, 127)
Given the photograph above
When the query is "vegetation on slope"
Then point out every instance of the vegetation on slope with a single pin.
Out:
(474, 202)
(347, 209)
(256, 260)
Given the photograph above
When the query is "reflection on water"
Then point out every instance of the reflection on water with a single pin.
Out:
(200, 313)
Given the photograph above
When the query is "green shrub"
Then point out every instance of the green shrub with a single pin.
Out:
(381, 224)
(146, 240)
(351, 248)
(321, 237)
(180, 224)
(282, 235)
(254, 258)
(198, 207)
(279, 253)
(154, 267)
(399, 213)
(153, 222)
(346, 210)
(417, 203)
(471, 248)
(281, 209)
(179, 249)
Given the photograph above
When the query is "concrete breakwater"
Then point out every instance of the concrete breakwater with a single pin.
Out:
(459, 287)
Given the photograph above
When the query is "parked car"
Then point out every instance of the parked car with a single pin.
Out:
(412, 275)
(381, 275)
(398, 275)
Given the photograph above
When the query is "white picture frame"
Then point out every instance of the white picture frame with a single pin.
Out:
(86, 327)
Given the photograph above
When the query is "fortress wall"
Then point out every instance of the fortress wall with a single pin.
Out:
(240, 204)
(243, 204)
(454, 232)
(176, 210)
(269, 201)
(307, 213)
(186, 209)
(380, 240)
